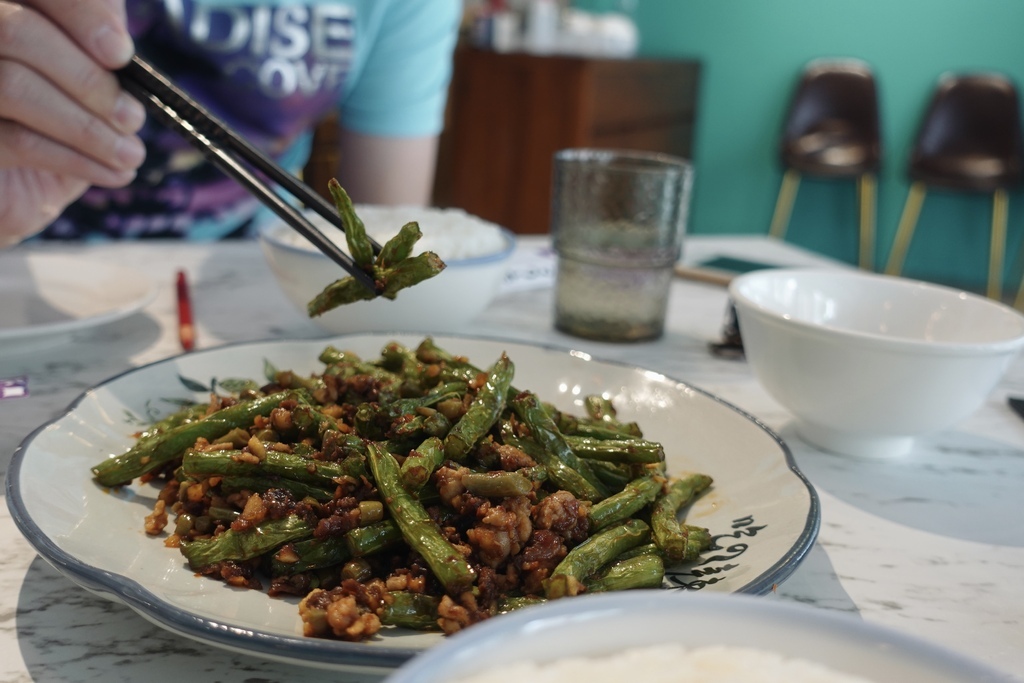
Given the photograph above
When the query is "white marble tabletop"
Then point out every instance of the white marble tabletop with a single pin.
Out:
(931, 544)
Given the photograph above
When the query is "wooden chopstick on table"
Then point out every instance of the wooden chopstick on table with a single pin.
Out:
(234, 155)
(186, 329)
(707, 275)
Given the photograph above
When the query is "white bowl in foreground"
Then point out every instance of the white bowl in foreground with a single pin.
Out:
(476, 254)
(602, 625)
(867, 362)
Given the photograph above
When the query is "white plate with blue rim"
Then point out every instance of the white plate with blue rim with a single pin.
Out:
(761, 511)
(49, 295)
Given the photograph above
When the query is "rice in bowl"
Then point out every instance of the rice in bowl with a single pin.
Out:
(671, 663)
(476, 253)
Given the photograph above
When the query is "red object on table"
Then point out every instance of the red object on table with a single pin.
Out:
(186, 331)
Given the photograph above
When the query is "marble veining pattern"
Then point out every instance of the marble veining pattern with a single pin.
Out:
(931, 544)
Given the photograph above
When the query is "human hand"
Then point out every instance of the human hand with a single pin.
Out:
(65, 122)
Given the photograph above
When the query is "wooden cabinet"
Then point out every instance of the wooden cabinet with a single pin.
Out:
(509, 113)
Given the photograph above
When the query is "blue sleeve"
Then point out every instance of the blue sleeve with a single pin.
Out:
(400, 86)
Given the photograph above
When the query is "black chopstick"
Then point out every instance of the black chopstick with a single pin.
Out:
(227, 150)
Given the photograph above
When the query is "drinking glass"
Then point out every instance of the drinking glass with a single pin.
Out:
(617, 223)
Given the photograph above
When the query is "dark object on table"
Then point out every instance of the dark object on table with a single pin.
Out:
(731, 345)
(1017, 404)
(970, 140)
(832, 131)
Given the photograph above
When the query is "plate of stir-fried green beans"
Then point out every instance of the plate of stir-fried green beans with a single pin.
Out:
(346, 502)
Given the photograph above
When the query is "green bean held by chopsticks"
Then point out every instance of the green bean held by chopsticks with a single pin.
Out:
(399, 247)
(418, 529)
(355, 232)
(393, 270)
(153, 453)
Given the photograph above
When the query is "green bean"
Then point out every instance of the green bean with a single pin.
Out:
(602, 410)
(421, 463)
(666, 529)
(545, 432)
(592, 554)
(376, 420)
(617, 450)
(642, 571)
(418, 529)
(621, 506)
(372, 538)
(614, 476)
(359, 245)
(409, 272)
(400, 246)
(571, 425)
(416, 611)
(643, 549)
(259, 484)
(698, 539)
(456, 367)
(514, 602)
(311, 553)
(561, 474)
(483, 411)
(169, 445)
(347, 290)
(245, 545)
(497, 484)
(402, 361)
(190, 413)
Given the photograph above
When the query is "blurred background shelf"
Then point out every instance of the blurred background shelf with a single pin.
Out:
(508, 113)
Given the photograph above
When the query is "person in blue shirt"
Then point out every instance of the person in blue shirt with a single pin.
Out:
(79, 159)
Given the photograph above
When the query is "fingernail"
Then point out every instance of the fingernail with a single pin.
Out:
(129, 152)
(113, 47)
(129, 114)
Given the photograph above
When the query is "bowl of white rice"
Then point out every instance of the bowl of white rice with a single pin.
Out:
(659, 636)
(476, 253)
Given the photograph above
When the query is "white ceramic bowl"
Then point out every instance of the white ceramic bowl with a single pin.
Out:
(867, 362)
(445, 302)
(601, 624)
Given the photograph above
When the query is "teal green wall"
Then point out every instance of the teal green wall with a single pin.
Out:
(752, 52)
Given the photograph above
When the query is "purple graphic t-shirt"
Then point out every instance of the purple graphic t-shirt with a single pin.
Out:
(271, 70)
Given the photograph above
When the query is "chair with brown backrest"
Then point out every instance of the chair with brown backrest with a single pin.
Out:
(832, 131)
(970, 140)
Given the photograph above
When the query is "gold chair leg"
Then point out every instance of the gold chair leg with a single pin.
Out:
(866, 196)
(905, 231)
(997, 250)
(784, 203)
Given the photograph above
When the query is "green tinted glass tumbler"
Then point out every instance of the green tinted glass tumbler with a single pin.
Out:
(617, 221)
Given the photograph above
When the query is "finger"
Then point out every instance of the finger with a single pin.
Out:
(23, 148)
(48, 194)
(32, 101)
(35, 42)
(98, 26)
